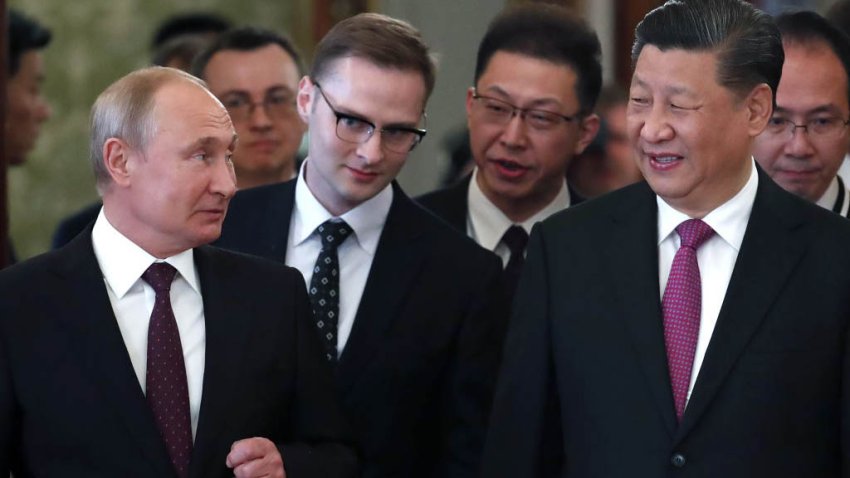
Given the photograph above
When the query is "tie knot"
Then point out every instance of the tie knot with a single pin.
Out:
(160, 275)
(516, 239)
(333, 233)
(694, 232)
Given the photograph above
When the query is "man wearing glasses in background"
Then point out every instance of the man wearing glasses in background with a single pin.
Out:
(805, 141)
(255, 74)
(530, 112)
(408, 309)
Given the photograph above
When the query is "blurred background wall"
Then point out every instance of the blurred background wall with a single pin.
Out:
(97, 41)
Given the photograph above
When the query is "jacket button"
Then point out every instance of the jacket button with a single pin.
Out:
(678, 460)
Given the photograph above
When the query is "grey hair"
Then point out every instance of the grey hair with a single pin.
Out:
(125, 111)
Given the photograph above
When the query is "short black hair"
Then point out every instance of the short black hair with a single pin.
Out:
(24, 34)
(192, 23)
(746, 40)
(807, 27)
(245, 39)
(550, 33)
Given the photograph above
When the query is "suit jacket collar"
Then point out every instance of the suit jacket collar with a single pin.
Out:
(396, 265)
(776, 238)
(89, 318)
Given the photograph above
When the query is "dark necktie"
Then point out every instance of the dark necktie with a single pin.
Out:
(682, 306)
(166, 387)
(516, 239)
(324, 286)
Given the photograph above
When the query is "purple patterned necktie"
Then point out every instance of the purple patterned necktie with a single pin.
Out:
(167, 390)
(682, 305)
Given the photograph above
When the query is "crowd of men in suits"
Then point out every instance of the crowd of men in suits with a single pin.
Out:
(693, 324)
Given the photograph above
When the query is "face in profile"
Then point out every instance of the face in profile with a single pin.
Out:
(522, 159)
(691, 135)
(176, 190)
(258, 88)
(27, 108)
(813, 95)
(361, 131)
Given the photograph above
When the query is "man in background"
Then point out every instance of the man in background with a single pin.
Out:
(407, 308)
(530, 111)
(807, 138)
(26, 107)
(606, 164)
(255, 74)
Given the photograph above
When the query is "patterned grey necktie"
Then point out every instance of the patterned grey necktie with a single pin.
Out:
(324, 286)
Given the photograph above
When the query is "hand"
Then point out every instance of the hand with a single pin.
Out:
(254, 458)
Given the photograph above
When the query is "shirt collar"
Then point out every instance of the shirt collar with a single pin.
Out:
(123, 262)
(729, 220)
(366, 220)
(489, 223)
(830, 196)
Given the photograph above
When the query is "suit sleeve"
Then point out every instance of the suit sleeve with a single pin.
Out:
(519, 436)
(471, 379)
(323, 447)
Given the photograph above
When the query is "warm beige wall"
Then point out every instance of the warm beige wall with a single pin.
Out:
(94, 43)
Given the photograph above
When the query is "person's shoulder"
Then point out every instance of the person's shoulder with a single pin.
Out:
(243, 266)
(447, 240)
(591, 211)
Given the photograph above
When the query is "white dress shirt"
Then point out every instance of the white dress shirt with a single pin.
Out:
(844, 169)
(830, 197)
(716, 257)
(486, 223)
(123, 263)
(355, 254)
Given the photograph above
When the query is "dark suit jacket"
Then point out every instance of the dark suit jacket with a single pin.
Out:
(771, 397)
(451, 203)
(417, 372)
(70, 402)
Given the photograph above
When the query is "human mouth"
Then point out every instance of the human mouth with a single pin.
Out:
(362, 175)
(664, 161)
(509, 169)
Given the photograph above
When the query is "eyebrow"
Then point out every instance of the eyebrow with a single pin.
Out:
(669, 90)
(534, 103)
(829, 108)
(208, 141)
(271, 89)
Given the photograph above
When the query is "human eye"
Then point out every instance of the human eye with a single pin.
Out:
(353, 123)
(234, 102)
(542, 119)
(200, 156)
(497, 107)
(279, 98)
(639, 100)
(777, 124)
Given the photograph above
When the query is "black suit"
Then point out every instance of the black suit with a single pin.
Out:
(71, 404)
(417, 371)
(74, 224)
(771, 397)
(451, 203)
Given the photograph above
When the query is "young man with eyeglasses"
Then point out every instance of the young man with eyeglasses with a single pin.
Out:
(805, 141)
(409, 310)
(255, 74)
(529, 113)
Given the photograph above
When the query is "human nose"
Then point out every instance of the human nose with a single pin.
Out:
(224, 178)
(372, 150)
(514, 132)
(656, 127)
(258, 116)
(799, 143)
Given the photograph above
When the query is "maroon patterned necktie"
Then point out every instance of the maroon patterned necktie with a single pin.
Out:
(166, 387)
(682, 306)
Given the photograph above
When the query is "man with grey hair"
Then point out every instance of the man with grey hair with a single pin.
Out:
(683, 326)
(138, 351)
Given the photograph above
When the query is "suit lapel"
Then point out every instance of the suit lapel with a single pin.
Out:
(633, 265)
(773, 244)
(88, 316)
(227, 320)
(395, 267)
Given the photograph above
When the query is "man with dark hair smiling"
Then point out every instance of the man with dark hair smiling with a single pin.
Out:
(696, 324)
